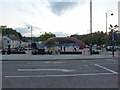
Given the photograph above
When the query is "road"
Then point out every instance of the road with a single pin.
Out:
(96, 73)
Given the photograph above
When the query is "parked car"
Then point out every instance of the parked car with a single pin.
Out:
(98, 48)
(110, 48)
(118, 47)
(4, 52)
(28, 49)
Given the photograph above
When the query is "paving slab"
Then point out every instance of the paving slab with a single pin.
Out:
(53, 57)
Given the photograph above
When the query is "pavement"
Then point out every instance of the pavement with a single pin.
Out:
(84, 56)
(56, 57)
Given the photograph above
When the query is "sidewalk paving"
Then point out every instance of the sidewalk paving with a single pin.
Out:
(54, 57)
(29, 56)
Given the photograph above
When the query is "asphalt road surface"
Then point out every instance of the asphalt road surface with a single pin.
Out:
(101, 73)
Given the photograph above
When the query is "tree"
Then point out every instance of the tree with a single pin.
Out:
(10, 31)
(99, 38)
(45, 36)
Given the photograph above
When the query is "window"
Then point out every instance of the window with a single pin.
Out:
(7, 41)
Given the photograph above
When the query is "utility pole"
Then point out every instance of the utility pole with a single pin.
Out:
(31, 34)
(113, 40)
(113, 37)
(91, 26)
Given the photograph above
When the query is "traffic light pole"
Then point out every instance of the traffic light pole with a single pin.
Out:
(113, 39)
(113, 49)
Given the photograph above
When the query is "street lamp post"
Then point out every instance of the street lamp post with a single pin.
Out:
(31, 34)
(107, 17)
(91, 26)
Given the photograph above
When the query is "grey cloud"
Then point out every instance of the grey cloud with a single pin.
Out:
(28, 25)
(34, 5)
(25, 30)
(22, 30)
(26, 10)
(59, 7)
(36, 27)
(20, 10)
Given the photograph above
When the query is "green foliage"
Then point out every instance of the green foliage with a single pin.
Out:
(45, 36)
(10, 31)
(98, 38)
(0, 30)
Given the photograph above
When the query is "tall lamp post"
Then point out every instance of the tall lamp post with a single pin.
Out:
(107, 17)
(31, 34)
(91, 26)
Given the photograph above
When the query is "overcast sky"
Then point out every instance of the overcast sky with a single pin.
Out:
(61, 17)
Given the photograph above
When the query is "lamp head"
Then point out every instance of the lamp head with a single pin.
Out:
(111, 14)
(111, 26)
(116, 26)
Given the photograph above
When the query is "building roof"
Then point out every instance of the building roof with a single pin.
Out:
(13, 38)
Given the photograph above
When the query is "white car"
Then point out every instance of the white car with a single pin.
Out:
(110, 48)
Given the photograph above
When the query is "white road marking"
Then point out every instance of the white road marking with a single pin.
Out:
(46, 62)
(68, 75)
(106, 68)
(53, 62)
(109, 63)
(29, 70)
(34, 63)
(57, 62)
(44, 65)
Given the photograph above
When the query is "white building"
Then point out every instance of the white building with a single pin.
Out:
(10, 41)
(24, 44)
(13, 42)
